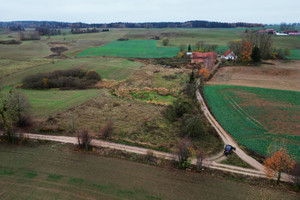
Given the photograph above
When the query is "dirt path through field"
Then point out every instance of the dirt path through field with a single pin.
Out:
(209, 162)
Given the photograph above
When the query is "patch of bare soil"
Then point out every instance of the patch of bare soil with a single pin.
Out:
(284, 75)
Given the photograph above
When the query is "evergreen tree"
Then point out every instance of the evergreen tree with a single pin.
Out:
(189, 49)
(255, 55)
(192, 77)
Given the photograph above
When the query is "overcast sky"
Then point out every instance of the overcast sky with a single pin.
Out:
(104, 11)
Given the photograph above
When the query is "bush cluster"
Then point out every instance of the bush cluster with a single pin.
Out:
(178, 109)
(63, 79)
(187, 111)
(8, 42)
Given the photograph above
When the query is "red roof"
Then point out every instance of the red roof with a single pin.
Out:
(197, 55)
(198, 60)
(227, 52)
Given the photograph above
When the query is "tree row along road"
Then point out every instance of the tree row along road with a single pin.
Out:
(209, 162)
(227, 139)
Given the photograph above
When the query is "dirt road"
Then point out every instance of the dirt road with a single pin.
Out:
(209, 162)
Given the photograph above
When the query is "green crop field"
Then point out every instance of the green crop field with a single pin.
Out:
(132, 48)
(54, 171)
(49, 102)
(295, 54)
(257, 117)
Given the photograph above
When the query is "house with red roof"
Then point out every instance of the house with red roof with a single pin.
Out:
(199, 57)
(229, 55)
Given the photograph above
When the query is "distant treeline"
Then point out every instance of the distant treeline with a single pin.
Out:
(87, 30)
(48, 31)
(18, 25)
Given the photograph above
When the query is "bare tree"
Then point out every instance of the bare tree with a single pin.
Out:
(200, 155)
(14, 110)
(236, 47)
(29, 35)
(262, 41)
(284, 26)
(183, 151)
(84, 139)
(200, 45)
(19, 107)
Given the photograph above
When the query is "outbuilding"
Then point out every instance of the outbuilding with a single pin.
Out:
(229, 55)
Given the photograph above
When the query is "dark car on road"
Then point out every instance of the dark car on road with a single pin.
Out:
(228, 149)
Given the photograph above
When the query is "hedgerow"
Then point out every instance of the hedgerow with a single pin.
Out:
(63, 79)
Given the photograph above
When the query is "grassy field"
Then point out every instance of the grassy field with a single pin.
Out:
(256, 117)
(291, 42)
(54, 171)
(132, 48)
(50, 102)
(109, 68)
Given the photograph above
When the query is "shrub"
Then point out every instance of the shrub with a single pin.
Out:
(190, 89)
(115, 104)
(165, 41)
(180, 55)
(150, 156)
(193, 126)
(58, 50)
(93, 75)
(107, 130)
(178, 109)
(8, 42)
(123, 39)
(24, 121)
(280, 54)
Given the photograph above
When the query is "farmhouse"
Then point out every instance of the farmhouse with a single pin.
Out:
(229, 55)
(269, 31)
(207, 60)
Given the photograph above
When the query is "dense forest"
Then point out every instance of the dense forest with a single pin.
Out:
(18, 25)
